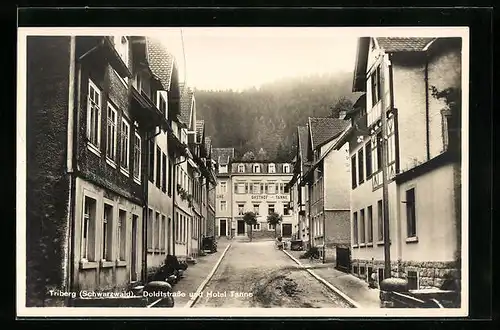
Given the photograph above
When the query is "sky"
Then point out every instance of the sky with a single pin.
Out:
(239, 58)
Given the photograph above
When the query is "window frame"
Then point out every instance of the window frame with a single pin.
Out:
(111, 158)
(121, 234)
(94, 147)
(137, 170)
(107, 232)
(88, 230)
(125, 169)
(410, 207)
(271, 168)
(241, 168)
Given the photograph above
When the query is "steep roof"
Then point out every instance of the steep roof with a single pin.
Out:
(302, 133)
(324, 129)
(187, 96)
(223, 155)
(161, 61)
(392, 45)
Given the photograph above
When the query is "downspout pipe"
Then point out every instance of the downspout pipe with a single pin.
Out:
(426, 80)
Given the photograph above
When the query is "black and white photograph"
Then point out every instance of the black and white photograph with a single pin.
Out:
(242, 171)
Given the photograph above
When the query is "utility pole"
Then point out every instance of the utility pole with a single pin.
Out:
(385, 190)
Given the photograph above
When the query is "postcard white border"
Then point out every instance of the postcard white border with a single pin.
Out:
(23, 311)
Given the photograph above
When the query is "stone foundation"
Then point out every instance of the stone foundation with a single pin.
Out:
(431, 274)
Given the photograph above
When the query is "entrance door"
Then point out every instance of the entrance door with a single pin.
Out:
(133, 264)
(241, 227)
(287, 230)
(223, 229)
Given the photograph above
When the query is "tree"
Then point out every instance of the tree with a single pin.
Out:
(274, 219)
(343, 105)
(249, 155)
(250, 219)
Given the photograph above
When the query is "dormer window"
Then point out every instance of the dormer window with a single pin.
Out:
(272, 168)
(256, 168)
(161, 101)
(286, 168)
(222, 168)
(241, 168)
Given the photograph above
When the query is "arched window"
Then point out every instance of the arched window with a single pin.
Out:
(271, 168)
(286, 168)
(241, 168)
(256, 168)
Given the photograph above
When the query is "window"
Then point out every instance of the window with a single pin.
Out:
(164, 173)
(379, 151)
(286, 209)
(158, 167)
(380, 212)
(256, 187)
(111, 133)
(241, 209)
(107, 233)
(240, 188)
(362, 226)
(271, 226)
(222, 168)
(88, 232)
(353, 171)
(241, 168)
(375, 82)
(369, 238)
(412, 277)
(286, 168)
(270, 209)
(223, 187)
(271, 168)
(124, 159)
(177, 227)
(151, 152)
(368, 155)
(256, 168)
(272, 188)
(161, 103)
(261, 188)
(150, 229)
(137, 157)
(256, 226)
(355, 228)
(162, 233)
(170, 175)
(256, 209)
(411, 221)
(122, 235)
(360, 166)
(223, 206)
(94, 115)
(286, 189)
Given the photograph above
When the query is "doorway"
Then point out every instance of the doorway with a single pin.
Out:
(287, 230)
(133, 264)
(223, 227)
(241, 228)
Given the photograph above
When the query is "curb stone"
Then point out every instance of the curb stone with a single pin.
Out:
(202, 286)
(351, 302)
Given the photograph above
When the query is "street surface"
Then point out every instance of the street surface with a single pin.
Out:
(257, 274)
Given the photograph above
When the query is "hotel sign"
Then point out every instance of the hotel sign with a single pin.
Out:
(265, 197)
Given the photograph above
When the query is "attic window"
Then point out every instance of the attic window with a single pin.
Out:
(241, 168)
(286, 168)
(223, 168)
(272, 168)
(256, 168)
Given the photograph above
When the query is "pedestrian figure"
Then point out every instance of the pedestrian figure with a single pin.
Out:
(372, 280)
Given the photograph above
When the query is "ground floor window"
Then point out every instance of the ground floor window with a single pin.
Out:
(256, 226)
(88, 229)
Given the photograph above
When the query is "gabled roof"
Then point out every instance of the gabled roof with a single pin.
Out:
(161, 62)
(387, 44)
(323, 130)
(223, 155)
(187, 96)
(395, 45)
(302, 133)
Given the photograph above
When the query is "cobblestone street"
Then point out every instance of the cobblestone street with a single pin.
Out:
(256, 274)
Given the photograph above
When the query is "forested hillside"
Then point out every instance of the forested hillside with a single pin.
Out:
(268, 117)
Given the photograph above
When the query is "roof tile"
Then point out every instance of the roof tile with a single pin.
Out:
(324, 129)
(403, 44)
(223, 155)
(161, 61)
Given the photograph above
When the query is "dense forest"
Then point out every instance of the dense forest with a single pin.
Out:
(263, 121)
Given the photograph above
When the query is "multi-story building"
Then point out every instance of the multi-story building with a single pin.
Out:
(223, 193)
(86, 189)
(261, 187)
(416, 83)
(298, 193)
(327, 181)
